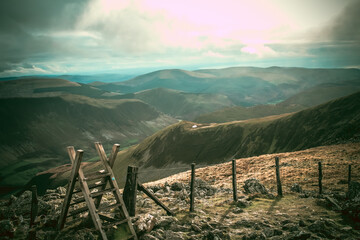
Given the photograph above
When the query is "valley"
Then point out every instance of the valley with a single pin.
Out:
(177, 146)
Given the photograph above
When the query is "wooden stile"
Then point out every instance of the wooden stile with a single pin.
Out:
(93, 199)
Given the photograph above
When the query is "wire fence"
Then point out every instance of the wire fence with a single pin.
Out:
(304, 172)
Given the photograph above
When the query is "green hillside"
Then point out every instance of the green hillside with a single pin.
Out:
(181, 144)
(243, 113)
(322, 93)
(308, 98)
(35, 132)
(183, 105)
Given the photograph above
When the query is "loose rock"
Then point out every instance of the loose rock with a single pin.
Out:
(253, 185)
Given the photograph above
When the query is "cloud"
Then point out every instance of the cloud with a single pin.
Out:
(345, 27)
(259, 50)
(24, 26)
(66, 36)
(39, 15)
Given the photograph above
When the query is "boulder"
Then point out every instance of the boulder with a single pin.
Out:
(253, 185)
(242, 203)
(145, 223)
(6, 229)
(165, 221)
(204, 188)
(173, 235)
(148, 237)
(354, 190)
(177, 186)
(296, 188)
(238, 210)
(351, 208)
(333, 203)
(22, 206)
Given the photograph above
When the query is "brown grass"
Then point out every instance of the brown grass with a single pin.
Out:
(295, 167)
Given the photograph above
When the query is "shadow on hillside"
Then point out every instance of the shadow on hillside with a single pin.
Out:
(226, 213)
(273, 205)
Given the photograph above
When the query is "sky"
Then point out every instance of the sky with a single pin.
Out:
(42, 37)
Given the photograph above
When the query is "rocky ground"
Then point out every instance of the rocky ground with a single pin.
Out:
(258, 214)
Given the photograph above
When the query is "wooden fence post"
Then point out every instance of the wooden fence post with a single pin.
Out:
(349, 177)
(320, 177)
(34, 212)
(192, 185)
(278, 181)
(130, 190)
(234, 180)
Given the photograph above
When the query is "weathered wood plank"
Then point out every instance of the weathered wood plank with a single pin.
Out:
(111, 161)
(114, 184)
(89, 202)
(76, 161)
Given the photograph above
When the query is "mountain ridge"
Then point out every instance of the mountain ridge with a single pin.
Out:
(179, 145)
(36, 131)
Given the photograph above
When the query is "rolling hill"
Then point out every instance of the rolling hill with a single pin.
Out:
(35, 132)
(243, 113)
(245, 86)
(178, 145)
(183, 105)
(240, 90)
(308, 98)
(48, 87)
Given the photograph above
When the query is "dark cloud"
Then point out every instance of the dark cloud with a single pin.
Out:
(39, 14)
(24, 24)
(346, 26)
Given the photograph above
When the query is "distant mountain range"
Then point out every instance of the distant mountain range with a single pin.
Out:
(244, 86)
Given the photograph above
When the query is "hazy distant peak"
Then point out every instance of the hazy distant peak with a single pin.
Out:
(39, 82)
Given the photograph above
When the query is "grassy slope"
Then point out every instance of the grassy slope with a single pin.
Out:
(183, 105)
(295, 167)
(180, 144)
(308, 98)
(322, 93)
(36, 131)
(243, 113)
